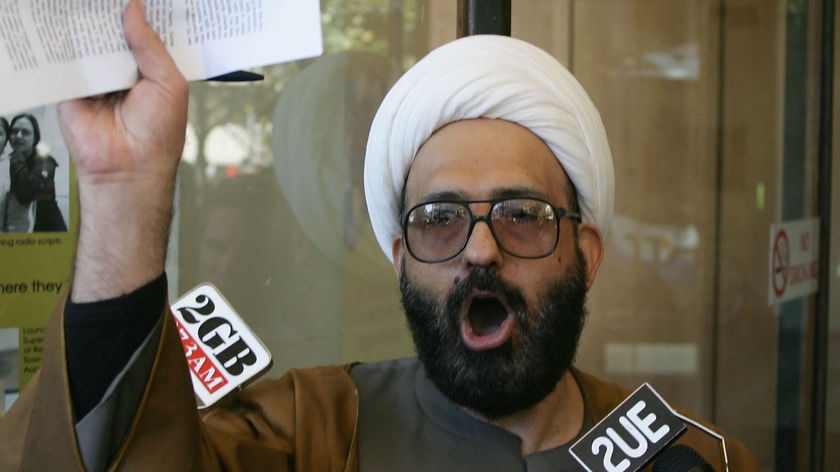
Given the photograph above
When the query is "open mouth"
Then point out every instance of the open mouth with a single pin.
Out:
(487, 323)
(486, 316)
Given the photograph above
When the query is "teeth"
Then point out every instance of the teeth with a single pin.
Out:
(486, 316)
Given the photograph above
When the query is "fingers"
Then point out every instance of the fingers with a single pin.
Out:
(154, 110)
(153, 61)
(109, 133)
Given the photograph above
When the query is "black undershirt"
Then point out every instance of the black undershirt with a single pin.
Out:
(100, 338)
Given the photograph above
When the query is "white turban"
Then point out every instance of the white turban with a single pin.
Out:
(486, 76)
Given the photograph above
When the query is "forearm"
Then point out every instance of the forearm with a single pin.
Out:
(124, 228)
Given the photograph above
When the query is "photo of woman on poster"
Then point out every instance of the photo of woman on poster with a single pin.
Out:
(29, 173)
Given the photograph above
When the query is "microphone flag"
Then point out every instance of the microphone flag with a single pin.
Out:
(631, 435)
(222, 352)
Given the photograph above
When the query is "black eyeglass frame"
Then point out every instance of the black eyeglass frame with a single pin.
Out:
(559, 212)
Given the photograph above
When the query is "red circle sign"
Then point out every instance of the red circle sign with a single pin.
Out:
(781, 263)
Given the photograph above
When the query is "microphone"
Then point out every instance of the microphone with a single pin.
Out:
(681, 458)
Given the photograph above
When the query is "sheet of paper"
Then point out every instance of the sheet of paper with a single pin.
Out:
(52, 50)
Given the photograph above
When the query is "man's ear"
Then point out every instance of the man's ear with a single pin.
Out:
(397, 249)
(592, 245)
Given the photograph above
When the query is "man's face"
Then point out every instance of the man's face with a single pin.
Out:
(3, 138)
(495, 332)
(23, 136)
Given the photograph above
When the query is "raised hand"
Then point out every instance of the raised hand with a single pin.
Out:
(126, 147)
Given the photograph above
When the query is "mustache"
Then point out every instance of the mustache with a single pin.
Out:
(486, 280)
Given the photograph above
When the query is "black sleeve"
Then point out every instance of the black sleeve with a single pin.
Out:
(23, 183)
(100, 337)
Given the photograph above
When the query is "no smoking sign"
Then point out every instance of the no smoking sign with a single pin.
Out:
(794, 260)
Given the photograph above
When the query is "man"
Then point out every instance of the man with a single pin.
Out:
(489, 183)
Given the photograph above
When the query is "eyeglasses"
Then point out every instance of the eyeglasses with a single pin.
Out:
(523, 227)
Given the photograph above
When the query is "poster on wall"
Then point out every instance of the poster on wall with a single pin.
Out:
(37, 239)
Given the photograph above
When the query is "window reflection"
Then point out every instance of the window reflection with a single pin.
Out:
(271, 200)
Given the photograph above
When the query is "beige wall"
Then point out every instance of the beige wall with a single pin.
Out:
(751, 160)
(653, 74)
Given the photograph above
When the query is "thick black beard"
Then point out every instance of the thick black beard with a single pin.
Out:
(513, 377)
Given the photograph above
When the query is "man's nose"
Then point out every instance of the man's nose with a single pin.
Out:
(482, 248)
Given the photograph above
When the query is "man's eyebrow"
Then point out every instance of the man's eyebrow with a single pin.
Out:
(519, 192)
(496, 194)
(443, 195)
